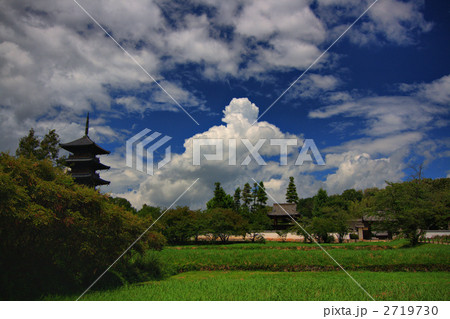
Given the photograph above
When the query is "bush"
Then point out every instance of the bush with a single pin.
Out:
(354, 236)
(143, 267)
(224, 222)
(55, 235)
(260, 239)
(111, 280)
(180, 224)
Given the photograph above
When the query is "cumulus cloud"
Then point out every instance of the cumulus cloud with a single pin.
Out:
(388, 21)
(317, 86)
(379, 145)
(355, 168)
(176, 176)
(384, 115)
(294, 19)
(437, 91)
(361, 171)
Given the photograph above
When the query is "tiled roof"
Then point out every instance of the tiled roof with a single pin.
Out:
(84, 142)
(282, 209)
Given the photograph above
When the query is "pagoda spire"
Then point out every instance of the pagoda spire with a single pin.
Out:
(83, 161)
(86, 130)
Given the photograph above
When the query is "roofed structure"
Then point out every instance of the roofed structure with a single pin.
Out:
(364, 227)
(280, 215)
(84, 161)
(282, 209)
(84, 144)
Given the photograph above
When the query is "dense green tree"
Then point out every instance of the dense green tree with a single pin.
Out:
(372, 191)
(237, 199)
(319, 200)
(352, 195)
(254, 196)
(340, 219)
(257, 222)
(123, 202)
(247, 196)
(28, 145)
(200, 224)
(179, 225)
(291, 192)
(225, 222)
(338, 202)
(48, 148)
(220, 199)
(261, 197)
(152, 211)
(305, 207)
(440, 201)
(409, 208)
(321, 227)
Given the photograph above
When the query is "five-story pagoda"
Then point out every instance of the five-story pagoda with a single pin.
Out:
(83, 161)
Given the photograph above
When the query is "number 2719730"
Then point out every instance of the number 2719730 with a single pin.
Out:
(410, 310)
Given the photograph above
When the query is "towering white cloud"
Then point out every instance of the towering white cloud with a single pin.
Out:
(349, 169)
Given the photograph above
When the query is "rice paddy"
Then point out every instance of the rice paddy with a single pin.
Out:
(293, 271)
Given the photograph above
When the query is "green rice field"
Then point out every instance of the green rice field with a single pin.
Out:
(293, 271)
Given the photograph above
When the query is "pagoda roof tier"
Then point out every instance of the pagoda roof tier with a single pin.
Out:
(90, 179)
(84, 144)
(93, 161)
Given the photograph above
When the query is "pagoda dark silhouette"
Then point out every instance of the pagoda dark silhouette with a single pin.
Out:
(83, 161)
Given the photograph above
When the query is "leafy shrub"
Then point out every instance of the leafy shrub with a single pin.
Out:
(110, 280)
(180, 224)
(143, 267)
(56, 235)
(224, 222)
(260, 239)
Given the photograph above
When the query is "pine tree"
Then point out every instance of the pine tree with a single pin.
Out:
(220, 199)
(261, 194)
(254, 196)
(319, 201)
(246, 196)
(291, 192)
(237, 199)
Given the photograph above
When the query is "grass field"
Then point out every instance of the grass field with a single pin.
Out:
(261, 285)
(293, 271)
(303, 257)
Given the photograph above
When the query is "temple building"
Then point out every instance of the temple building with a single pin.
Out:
(280, 215)
(83, 161)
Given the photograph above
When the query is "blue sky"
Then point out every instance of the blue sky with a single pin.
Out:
(376, 103)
